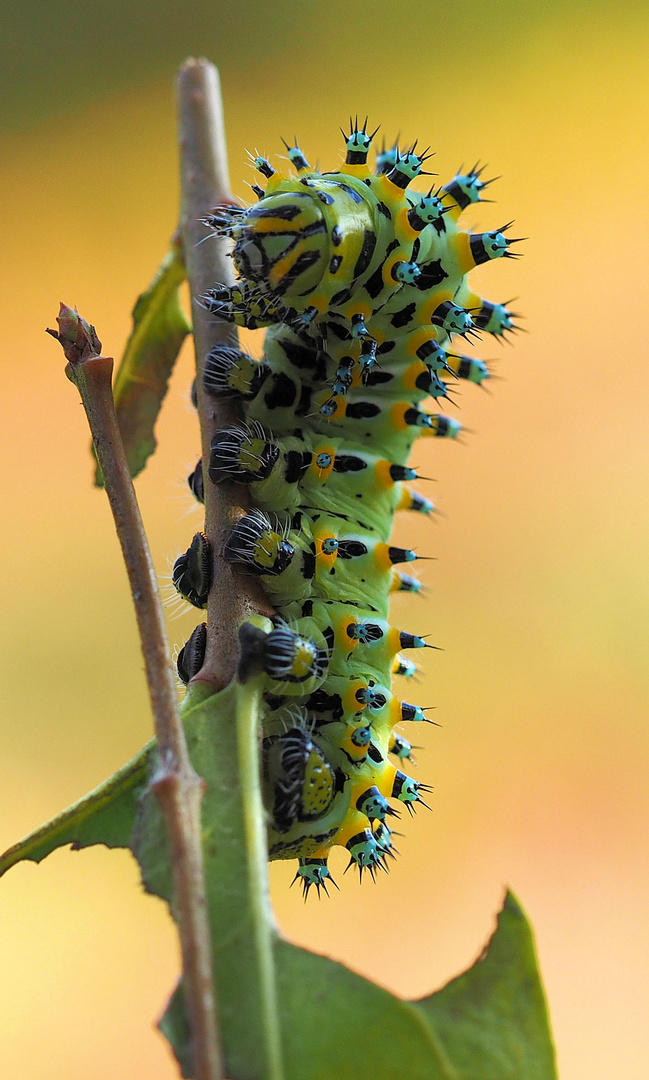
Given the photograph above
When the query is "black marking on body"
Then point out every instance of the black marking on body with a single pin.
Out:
(376, 377)
(341, 298)
(282, 392)
(303, 406)
(282, 213)
(296, 464)
(321, 701)
(455, 191)
(405, 316)
(304, 357)
(432, 274)
(362, 410)
(354, 195)
(345, 463)
(351, 549)
(340, 331)
(304, 262)
(366, 253)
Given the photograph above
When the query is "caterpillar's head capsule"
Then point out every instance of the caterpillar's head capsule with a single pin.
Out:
(283, 244)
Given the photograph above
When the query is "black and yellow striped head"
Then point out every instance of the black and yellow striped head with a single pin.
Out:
(284, 245)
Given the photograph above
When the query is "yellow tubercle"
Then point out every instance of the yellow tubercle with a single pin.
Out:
(412, 373)
(460, 245)
(382, 475)
(396, 257)
(397, 416)
(382, 557)
(402, 226)
(276, 179)
(390, 193)
(361, 172)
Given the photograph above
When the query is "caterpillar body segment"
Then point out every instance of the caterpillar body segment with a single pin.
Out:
(363, 284)
(313, 556)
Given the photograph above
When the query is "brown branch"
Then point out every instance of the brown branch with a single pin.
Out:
(205, 184)
(176, 785)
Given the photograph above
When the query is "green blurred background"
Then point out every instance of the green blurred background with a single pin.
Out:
(541, 589)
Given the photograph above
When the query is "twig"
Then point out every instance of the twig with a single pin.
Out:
(205, 184)
(177, 786)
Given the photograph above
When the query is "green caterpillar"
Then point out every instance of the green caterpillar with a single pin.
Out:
(362, 285)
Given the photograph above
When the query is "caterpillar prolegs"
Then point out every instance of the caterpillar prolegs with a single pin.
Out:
(363, 286)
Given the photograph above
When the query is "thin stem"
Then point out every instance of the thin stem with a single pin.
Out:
(177, 786)
(233, 597)
(205, 184)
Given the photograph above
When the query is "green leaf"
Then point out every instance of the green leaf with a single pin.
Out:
(159, 328)
(492, 1020)
(285, 1013)
(104, 816)
(488, 1024)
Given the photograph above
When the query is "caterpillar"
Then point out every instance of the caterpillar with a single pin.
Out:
(362, 285)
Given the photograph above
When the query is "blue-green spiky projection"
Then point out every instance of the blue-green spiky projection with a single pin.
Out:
(363, 285)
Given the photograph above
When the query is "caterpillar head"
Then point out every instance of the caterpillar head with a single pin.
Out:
(282, 243)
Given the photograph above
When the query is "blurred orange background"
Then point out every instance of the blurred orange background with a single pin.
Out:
(540, 593)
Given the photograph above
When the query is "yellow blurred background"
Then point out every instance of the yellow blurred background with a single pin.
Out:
(540, 593)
